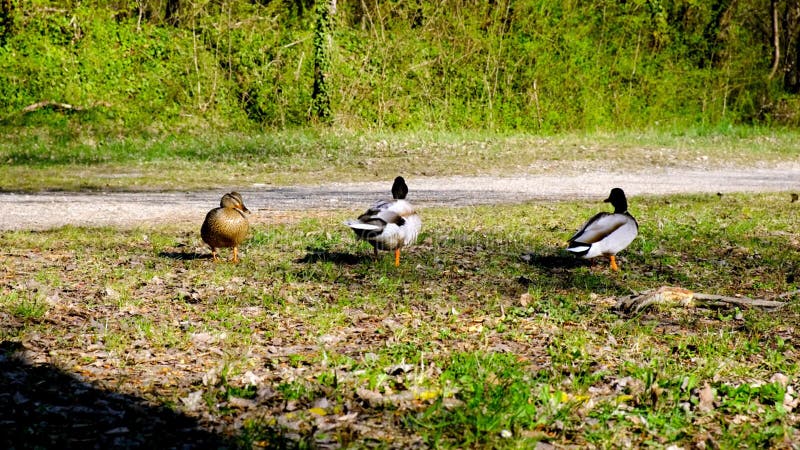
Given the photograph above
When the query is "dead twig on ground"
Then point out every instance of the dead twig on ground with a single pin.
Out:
(676, 296)
(50, 104)
(59, 106)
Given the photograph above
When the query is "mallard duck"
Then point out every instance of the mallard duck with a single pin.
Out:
(606, 233)
(389, 224)
(226, 226)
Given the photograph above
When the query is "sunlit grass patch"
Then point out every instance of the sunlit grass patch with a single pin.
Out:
(34, 162)
(24, 307)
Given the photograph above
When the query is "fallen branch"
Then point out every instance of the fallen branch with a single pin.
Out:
(675, 296)
(50, 104)
(787, 294)
(59, 106)
(721, 300)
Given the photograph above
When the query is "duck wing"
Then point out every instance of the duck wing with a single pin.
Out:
(599, 227)
(375, 210)
(377, 217)
(224, 227)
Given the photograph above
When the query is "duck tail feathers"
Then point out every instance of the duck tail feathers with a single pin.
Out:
(578, 248)
(356, 225)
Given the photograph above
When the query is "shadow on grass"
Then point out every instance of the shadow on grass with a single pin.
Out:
(335, 257)
(554, 261)
(565, 271)
(44, 407)
(184, 256)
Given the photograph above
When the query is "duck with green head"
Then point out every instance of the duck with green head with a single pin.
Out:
(606, 234)
(226, 226)
(389, 224)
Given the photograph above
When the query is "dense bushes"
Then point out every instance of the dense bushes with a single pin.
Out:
(533, 65)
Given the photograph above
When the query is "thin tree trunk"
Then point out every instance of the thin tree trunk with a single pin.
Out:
(776, 39)
(320, 97)
(791, 61)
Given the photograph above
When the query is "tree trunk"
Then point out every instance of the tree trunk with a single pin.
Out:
(320, 98)
(171, 14)
(776, 39)
(6, 20)
(791, 81)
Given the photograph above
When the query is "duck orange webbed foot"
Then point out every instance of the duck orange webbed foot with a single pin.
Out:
(389, 224)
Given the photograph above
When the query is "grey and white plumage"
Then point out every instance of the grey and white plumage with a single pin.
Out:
(606, 234)
(389, 224)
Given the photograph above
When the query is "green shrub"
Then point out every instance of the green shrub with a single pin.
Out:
(533, 65)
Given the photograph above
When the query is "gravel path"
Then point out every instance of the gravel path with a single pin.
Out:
(48, 210)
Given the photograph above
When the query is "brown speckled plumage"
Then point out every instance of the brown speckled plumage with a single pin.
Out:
(226, 226)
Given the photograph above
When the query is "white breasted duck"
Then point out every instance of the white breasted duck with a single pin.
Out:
(606, 233)
(389, 224)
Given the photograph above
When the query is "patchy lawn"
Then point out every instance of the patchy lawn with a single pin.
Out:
(487, 335)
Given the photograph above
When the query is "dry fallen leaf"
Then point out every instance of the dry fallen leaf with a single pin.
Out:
(193, 401)
(250, 379)
(399, 369)
(241, 403)
(706, 396)
(317, 411)
(780, 378)
(111, 294)
(790, 403)
(371, 397)
(347, 417)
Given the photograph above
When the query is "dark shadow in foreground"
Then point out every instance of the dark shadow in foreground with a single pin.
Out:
(44, 407)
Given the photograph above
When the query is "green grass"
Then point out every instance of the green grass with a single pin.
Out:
(329, 346)
(25, 307)
(51, 160)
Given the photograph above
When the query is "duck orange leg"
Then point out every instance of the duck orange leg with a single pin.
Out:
(236, 254)
(214, 256)
(614, 265)
(397, 258)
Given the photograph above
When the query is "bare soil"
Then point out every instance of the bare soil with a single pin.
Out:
(274, 204)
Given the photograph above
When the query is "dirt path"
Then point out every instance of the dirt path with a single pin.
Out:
(48, 210)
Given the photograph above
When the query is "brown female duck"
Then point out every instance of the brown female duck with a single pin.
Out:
(226, 226)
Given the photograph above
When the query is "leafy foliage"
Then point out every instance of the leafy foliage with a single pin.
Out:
(535, 65)
(321, 100)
